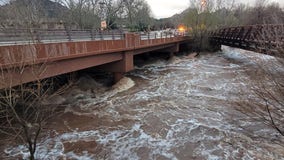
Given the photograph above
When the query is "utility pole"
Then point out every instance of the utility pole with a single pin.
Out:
(203, 5)
(102, 15)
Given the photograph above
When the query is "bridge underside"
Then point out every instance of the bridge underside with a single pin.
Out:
(260, 47)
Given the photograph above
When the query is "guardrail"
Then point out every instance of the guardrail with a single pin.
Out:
(25, 36)
(12, 36)
(160, 34)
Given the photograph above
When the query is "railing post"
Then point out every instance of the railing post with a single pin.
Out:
(112, 33)
(140, 34)
(101, 35)
(37, 36)
(68, 33)
(92, 34)
(122, 36)
(128, 40)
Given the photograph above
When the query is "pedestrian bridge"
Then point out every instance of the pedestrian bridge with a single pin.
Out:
(267, 39)
(31, 55)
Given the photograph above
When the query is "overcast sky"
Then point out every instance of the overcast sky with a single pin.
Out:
(167, 8)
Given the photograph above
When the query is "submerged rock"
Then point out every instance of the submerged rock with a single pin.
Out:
(86, 83)
(54, 100)
(123, 85)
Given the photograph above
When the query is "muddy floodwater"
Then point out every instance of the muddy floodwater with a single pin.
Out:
(179, 109)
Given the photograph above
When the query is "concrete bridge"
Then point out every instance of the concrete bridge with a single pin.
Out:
(30, 55)
(267, 39)
(34, 55)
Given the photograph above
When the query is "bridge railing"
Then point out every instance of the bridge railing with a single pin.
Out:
(12, 36)
(251, 33)
(9, 36)
(156, 35)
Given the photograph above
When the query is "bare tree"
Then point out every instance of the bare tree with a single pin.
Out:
(137, 13)
(266, 102)
(267, 80)
(88, 14)
(262, 12)
(24, 107)
(25, 13)
(113, 9)
(83, 13)
(273, 93)
(23, 115)
(202, 17)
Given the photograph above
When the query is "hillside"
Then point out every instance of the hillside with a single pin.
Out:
(41, 8)
(171, 22)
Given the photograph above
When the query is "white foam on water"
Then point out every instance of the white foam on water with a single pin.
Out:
(190, 99)
(123, 143)
(86, 156)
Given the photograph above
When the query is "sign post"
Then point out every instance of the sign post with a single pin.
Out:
(103, 25)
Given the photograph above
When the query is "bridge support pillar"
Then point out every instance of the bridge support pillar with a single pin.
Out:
(172, 54)
(117, 76)
(174, 50)
(120, 67)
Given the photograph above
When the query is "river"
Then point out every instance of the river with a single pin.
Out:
(184, 108)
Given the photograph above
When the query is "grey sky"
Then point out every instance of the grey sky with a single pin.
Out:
(167, 8)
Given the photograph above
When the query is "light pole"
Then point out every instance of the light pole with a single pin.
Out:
(102, 15)
(203, 5)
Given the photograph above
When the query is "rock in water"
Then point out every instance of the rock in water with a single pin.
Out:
(123, 85)
(192, 55)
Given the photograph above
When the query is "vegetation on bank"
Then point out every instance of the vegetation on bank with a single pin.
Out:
(135, 14)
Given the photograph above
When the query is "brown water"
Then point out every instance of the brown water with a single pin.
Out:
(179, 109)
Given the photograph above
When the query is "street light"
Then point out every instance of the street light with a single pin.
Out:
(203, 5)
(102, 15)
